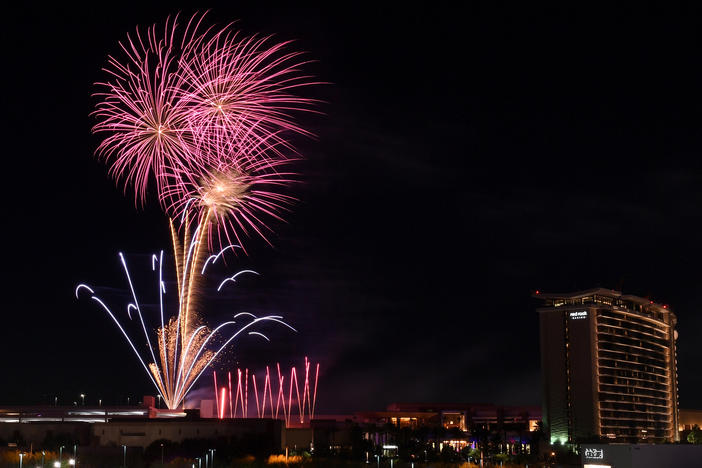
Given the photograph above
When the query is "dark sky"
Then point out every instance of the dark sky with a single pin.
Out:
(466, 158)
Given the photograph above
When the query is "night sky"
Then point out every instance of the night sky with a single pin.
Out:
(464, 159)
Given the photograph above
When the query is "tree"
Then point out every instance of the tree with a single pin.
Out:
(448, 454)
(695, 435)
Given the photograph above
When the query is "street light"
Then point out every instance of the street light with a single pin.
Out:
(57, 464)
(161, 455)
(21, 455)
(43, 454)
(82, 398)
(72, 461)
(61, 455)
(158, 404)
(213, 451)
(124, 465)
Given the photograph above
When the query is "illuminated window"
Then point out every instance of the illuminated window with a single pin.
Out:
(452, 420)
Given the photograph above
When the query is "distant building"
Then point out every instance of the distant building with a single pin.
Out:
(608, 365)
(688, 419)
(466, 424)
(463, 416)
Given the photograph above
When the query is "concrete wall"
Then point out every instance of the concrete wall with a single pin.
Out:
(35, 433)
(142, 434)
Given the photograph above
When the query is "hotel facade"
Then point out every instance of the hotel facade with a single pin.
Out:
(608, 365)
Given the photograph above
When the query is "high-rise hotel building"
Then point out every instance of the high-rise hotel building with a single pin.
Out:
(608, 365)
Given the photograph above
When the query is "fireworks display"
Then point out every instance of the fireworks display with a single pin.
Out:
(202, 115)
(183, 353)
(232, 400)
(187, 109)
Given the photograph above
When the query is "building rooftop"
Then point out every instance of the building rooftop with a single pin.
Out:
(609, 297)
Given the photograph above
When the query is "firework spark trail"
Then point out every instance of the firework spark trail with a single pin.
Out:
(258, 408)
(161, 292)
(314, 397)
(214, 258)
(195, 356)
(129, 340)
(270, 392)
(229, 374)
(234, 277)
(222, 399)
(260, 334)
(281, 395)
(135, 304)
(239, 392)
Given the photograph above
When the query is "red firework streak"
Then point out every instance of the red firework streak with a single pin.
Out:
(306, 402)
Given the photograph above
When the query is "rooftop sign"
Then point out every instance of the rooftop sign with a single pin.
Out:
(594, 454)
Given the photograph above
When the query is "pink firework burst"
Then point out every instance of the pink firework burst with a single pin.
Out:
(140, 111)
(195, 110)
(241, 94)
(231, 199)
